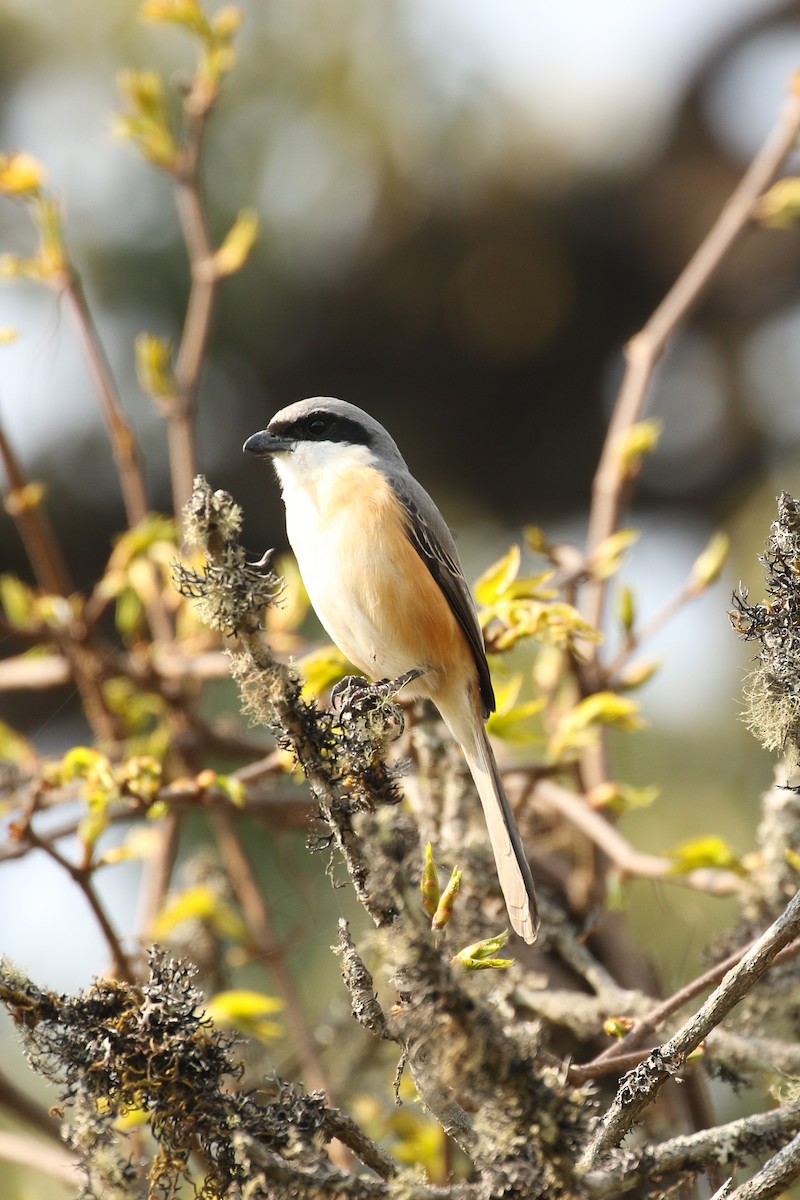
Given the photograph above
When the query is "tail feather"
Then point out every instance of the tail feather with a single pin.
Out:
(513, 871)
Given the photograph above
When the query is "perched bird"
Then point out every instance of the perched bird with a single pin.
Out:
(382, 572)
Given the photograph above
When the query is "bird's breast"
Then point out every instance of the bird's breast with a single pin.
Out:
(368, 585)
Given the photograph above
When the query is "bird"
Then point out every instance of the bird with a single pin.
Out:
(383, 575)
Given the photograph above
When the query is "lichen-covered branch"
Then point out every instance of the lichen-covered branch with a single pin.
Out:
(640, 1086)
(724, 1145)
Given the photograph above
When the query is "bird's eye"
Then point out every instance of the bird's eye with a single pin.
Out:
(317, 425)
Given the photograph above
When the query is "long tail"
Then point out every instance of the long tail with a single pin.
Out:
(513, 871)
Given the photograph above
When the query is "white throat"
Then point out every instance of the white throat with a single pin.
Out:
(312, 465)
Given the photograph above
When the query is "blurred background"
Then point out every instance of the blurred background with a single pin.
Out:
(466, 209)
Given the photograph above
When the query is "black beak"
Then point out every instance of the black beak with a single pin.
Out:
(264, 443)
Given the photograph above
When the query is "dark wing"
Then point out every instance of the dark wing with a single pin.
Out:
(434, 543)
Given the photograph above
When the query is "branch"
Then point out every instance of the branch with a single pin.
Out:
(56, 1161)
(119, 959)
(612, 1058)
(639, 1087)
(35, 530)
(623, 855)
(25, 673)
(199, 310)
(723, 1145)
(23, 1108)
(773, 1177)
(358, 981)
(120, 434)
(645, 348)
(268, 948)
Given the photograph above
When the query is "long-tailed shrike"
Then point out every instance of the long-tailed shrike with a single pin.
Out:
(382, 572)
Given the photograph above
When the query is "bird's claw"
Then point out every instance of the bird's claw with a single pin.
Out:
(355, 698)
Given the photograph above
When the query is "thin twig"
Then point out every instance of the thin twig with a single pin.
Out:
(157, 872)
(656, 1017)
(120, 962)
(124, 448)
(180, 410)
(25, 673)
(120, 434)
(638, 1088)
(20, 1105)
(629, 861)
(621, 1056)
(29, 1152)
(34, 528)
(268, 947)
(645, 348)
(651, 627)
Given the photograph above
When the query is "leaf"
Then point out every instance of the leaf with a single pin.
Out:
(606, 708)
(321, 669)
(147, 123)
(186, 13)
(551, 623)
(200, 903)
(511, 720)
(607, 558)
(709, 851)
(792, 858)
(238, 242)
(21, 175)
(708, 565)
(626, 609)
(537, 539)
(635, 674)
(129, 613)
(24, 499)
(429, 883)
(14, 748)
(288, 614)
(139, 541)
(154, 365)
(496, 579)
(622, 797)
(481, 956)
(141, 842)
(18, 601)
(233, 788)
(576, 728)
(447, 902)
(246, 1011)
(779, 208)
(637, 441)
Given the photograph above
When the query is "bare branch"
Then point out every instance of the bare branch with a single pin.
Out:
(120, 962)
(24, 1151)
(35, 530)
(622, 854)
(268, 948)
(645, 348)
(120, 434)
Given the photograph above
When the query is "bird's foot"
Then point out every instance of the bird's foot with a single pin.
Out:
(357, 701)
